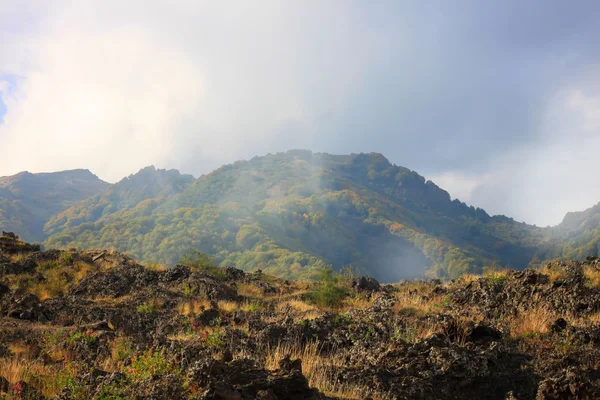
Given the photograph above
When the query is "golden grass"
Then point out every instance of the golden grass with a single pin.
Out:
(592, 276)
(413, 303)
(357, 302)
(318, 369)
(465, 279)
(15, 370)
(534, 321)
(250, 290)
(251, 306)
(18, 257)
(55, 284)
(20, 350)
(185, 337)
(297, 305)
(554, 273)
(50, 380)
(228, 306)
(82, 270)
(192, 307)
(496, 274)
(156, 267)
(415, 332)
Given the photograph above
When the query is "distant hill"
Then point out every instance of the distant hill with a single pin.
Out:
(293, 214)
(135, 190)
(28, 200)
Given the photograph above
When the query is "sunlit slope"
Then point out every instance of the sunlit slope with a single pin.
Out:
(291, 213)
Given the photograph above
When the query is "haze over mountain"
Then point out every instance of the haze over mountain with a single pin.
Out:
(497, 102)
(297, 212)
(28, 200)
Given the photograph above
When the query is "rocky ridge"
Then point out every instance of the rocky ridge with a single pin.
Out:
(98, 325)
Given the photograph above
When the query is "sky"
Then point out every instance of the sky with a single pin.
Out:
(498, 102)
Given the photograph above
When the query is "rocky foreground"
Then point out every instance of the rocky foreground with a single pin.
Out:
(97, 325)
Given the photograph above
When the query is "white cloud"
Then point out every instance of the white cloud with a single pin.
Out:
(113, 86)
(459, 184)
(540, 183)
(116, 85)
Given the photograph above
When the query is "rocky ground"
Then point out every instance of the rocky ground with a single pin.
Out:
(97, 325)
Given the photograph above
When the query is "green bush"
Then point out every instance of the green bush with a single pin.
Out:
(327, 292)
(199, 261)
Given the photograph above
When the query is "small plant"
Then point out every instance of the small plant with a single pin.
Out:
(199, 261)
(55, 337)
(341, 319)
(251, 306)
(65, 258)
(328, 293)
(149, 363)
(188, 289)
(213, 339)
(122, 350)
(87, 337)
(148, 307)
(114, 391)
(370, 333)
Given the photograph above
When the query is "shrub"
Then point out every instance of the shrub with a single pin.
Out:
(66, 258)
(327, 293)
(150, 363)
(77, 337)
(199, 261)
(149, 307)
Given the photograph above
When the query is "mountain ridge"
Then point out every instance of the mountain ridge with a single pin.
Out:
(296, 212)
(28, 200)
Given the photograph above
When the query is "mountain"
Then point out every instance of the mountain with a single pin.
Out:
(296, 212)
(290, 214)
(133, 191)
(576, 237)
(28, 200)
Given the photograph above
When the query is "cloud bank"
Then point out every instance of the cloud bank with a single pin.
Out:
(499, 104)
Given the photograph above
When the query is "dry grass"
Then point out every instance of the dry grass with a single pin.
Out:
(297, 305)
(251, 306)
(534, 321)
(413, 303)
(592, 276)
(56, 283)
(496, 275)
(18, 257)
(228, 306)
(156, 267)
(554, 273)
(193, 307)
(15, 370)
(318, 369)
(358, 302)
(51, 380)
(185, 337)
(465, 279)
(82, 269)
(250, 290)
(415, 332)
(21, 350)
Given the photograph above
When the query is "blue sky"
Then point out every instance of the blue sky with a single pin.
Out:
(497, 102)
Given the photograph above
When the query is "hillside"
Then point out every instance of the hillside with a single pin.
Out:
(98, 325)
(27, 201)
(148, 183)
(293, 213)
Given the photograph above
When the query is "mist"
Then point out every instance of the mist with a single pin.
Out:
(497, 103)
